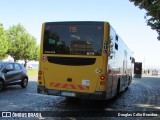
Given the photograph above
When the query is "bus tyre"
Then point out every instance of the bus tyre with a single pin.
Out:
(126, 87)
(127, 84)
(1, 85)
(118, 87)
(24, 83)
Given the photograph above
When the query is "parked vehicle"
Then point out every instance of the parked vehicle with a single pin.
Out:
(155, 72)
(12, 74)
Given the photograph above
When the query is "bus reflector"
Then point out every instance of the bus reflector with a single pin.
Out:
(102, 77)
(40, 73)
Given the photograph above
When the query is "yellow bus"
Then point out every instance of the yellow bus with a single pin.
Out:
(85, 59)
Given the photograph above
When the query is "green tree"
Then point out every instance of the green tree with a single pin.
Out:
(28, 48)
(14, 38)
(36, 55)
(3, 42)
(22, 45)
(153, 13)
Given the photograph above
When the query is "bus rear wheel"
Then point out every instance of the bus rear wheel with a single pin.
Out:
(118, 86)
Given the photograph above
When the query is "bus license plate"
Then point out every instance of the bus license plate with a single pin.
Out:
(68, 94)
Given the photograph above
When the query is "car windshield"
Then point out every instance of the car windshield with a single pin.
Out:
(1, 65)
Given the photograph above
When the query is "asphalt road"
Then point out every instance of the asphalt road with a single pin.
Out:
(141, 99)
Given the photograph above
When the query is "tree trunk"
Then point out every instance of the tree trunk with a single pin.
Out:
(25, 63)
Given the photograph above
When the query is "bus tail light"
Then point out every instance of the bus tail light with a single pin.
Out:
(102, 77)
(40, 73)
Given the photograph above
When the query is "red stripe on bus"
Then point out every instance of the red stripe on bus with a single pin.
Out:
(87, 87)
(65, 85)
(57, 85)
(81, 87)
(72, 86)
(51, 83)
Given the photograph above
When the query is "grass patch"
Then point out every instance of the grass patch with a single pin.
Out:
(32, 72)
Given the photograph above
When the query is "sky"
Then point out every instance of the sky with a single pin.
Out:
(127, 20)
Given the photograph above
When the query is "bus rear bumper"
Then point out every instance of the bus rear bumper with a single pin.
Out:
(82, 95)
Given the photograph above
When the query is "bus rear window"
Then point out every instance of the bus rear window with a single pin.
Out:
(73, 38)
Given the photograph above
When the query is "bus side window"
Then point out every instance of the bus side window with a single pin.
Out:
(116, 46)
(111, 47)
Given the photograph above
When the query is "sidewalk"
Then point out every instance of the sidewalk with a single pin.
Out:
(150, 75)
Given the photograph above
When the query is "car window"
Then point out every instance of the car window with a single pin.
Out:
(1, 65)
(17, 67)
(10, 66)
